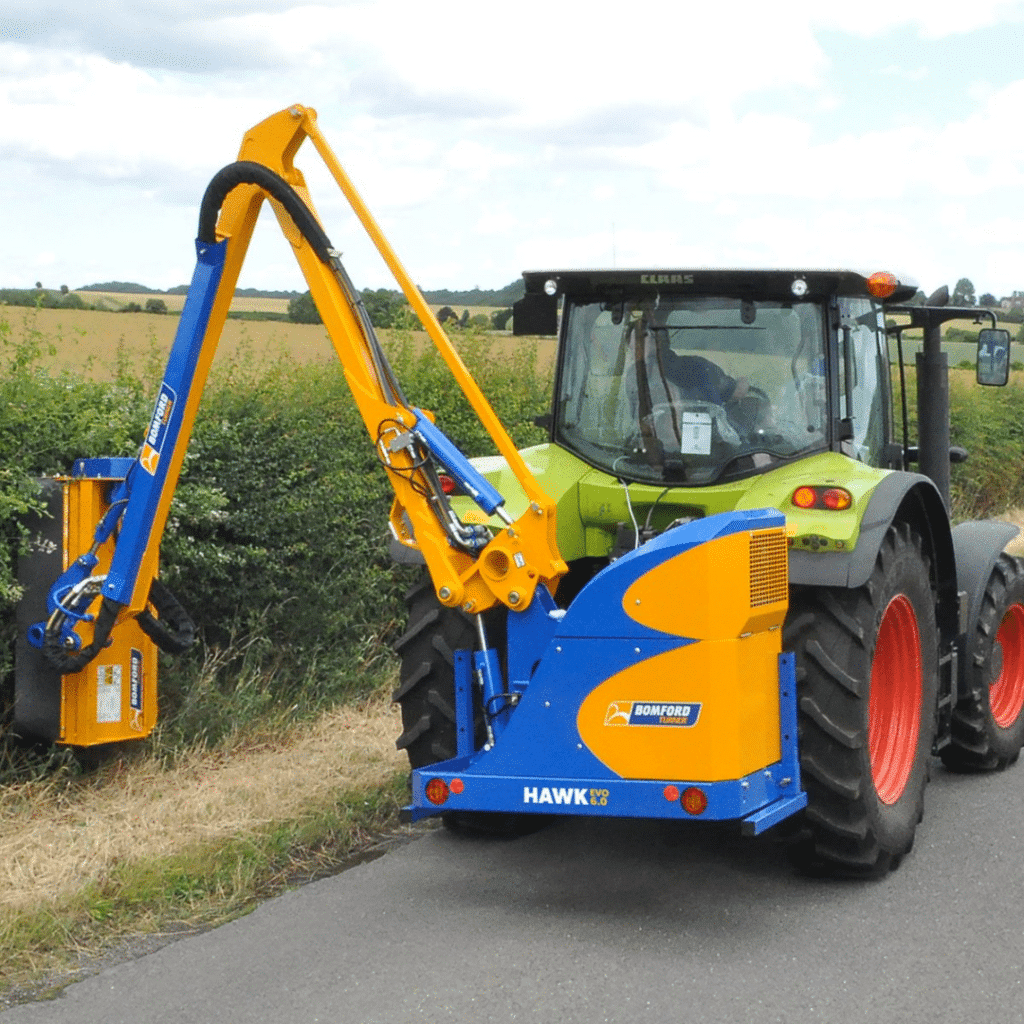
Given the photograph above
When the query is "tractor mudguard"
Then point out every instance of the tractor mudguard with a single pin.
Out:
(852, 568)
(977, 545)
(906, 496)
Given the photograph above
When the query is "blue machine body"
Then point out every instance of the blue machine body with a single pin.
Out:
(539, 758)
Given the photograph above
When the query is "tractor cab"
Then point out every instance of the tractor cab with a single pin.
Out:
(701, 377)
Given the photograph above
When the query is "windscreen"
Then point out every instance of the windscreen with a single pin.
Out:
(692, 390)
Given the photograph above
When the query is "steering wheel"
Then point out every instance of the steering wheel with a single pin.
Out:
(751, 412)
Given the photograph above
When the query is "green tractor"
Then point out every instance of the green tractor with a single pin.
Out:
(682, 394)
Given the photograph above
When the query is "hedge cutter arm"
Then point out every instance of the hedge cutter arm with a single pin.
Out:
(470, 567)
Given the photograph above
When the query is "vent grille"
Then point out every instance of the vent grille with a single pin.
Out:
(769, 577)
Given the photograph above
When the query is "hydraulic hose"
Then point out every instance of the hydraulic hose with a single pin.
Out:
(173, 632)
(66, 661)
(246, 172)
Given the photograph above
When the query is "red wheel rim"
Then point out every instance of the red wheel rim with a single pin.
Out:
(1006, 694)
(894, 704)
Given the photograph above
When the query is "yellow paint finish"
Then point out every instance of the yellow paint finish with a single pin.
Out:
(736, 682)
(82, 704)
(708, 592)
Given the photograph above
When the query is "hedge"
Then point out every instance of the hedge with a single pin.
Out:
(277, 536)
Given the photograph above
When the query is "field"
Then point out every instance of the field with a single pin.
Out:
(90, 342)
(116, 301)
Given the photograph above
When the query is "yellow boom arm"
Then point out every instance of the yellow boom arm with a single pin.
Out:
(473, 572)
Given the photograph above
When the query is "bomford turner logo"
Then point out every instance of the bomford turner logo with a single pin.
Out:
(635, 712)
(150, 455)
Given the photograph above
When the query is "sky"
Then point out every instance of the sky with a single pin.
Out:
(488, 139)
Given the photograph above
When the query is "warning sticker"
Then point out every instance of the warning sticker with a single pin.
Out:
(108, 693)
(696, 433)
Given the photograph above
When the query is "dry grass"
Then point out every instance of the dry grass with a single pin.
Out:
(91, 342)
(239, 304)
(56, 837)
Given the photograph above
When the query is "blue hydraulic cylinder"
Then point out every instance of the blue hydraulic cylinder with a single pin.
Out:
(471, 480)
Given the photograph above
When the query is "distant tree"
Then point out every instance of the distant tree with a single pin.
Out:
(302, 310)
(500, 319)
(963, 293)
(63, 289)
(387, 307)
(39, 284)
(156, 306)
(446, 313)
(988, 300)
(131, 307)
(464, 319)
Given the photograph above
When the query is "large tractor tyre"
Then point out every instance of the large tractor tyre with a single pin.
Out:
(426, 695)
(426, 687)
(988, 720)
(867, 664)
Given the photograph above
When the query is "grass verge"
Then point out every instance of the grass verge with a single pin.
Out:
(142, 851)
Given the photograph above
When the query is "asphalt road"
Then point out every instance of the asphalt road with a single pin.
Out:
(611, 921)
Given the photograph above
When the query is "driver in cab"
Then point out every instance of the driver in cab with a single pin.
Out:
(688, 376)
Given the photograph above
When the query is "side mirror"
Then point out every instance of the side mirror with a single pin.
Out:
(535, 314)
(993, 357)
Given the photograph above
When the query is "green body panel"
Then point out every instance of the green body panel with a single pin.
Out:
(591, 504)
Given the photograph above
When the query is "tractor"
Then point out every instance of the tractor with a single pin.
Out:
(683, 394)
(716, 593)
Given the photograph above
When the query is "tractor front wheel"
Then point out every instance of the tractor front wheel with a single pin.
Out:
(867, 663)
(988, 721)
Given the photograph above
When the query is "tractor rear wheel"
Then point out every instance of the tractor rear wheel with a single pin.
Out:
(426, 688)
(988, 721)
(867, 663)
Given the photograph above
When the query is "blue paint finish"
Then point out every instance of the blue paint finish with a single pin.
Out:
(102, 469)
(470, 479)
(512, 777)
(598, 796)
(556, 659)
(463, 704)
(542, 732)
(149, 474)
(529, 634)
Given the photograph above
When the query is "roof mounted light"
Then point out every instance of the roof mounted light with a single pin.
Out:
(882, 284)
(799, 287)
(550, 286)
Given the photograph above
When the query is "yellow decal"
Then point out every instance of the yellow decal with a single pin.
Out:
(732, 690)
(720, 590)
(149, 459)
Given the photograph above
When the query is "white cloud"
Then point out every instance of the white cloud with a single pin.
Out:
(934, 19)
(486, 139)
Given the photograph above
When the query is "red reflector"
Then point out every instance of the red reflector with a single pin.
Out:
(837, 498)
(672, 794)
(882, 284)
(804, 497)
(457, 786)
(436, 791)
(447, 483)
(695, 801)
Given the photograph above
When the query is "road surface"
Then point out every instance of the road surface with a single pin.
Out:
(595, 921)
